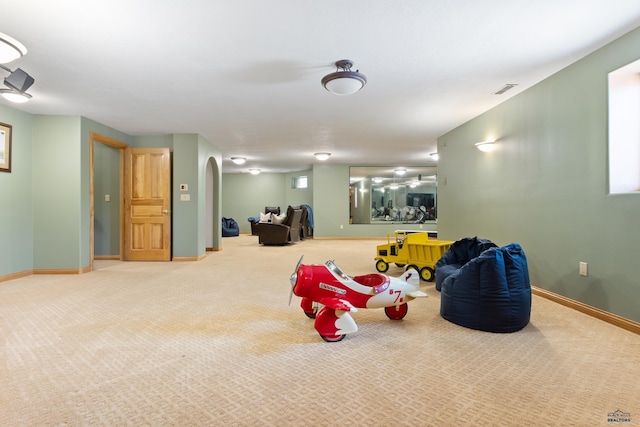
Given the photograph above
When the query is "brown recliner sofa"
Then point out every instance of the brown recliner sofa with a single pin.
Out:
(253, 220)
(280, 234)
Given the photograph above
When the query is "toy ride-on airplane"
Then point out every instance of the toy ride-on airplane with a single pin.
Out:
(328, 295)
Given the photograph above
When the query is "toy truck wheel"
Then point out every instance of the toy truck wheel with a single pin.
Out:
(382, 266)
(397, 312)
(427, 274)
(412, 267)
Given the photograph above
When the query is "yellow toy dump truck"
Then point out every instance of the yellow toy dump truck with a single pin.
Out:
(413, 249)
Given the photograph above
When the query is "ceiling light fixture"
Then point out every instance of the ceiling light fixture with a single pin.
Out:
(435, 156)
(377, 180)
(322, 156)
(254, 171)
(13, 96)
(400, 171)
(344, 81)
(238, 160)
(18, 82)
(485, 146)
(10, 49)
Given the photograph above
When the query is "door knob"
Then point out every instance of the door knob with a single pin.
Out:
(165, 211)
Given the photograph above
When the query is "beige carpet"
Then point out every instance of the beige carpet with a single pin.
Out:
(214, 343)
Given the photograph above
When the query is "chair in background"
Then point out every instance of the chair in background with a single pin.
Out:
(280, 234)
(253, 220)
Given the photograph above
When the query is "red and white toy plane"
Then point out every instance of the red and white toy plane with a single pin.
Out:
(328, 295)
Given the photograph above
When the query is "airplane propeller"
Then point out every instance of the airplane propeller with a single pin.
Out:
(294, 278)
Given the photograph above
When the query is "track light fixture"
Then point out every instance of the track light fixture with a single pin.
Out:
(344, 81)
(17, 81)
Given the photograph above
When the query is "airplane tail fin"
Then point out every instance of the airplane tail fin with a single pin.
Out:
(412, 277)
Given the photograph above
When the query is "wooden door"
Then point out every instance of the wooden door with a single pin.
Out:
(147, 204)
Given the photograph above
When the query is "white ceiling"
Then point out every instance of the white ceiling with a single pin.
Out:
(245, 74)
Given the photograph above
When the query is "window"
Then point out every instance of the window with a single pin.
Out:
(624, 129)
(299, 181)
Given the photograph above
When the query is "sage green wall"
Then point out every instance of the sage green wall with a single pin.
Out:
(57, 193)
(107, 213)
(191, 153)
(545, 186)
(209, 154)
(16, 196)
(245, 195)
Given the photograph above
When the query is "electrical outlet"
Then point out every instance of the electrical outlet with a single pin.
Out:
(583, 269)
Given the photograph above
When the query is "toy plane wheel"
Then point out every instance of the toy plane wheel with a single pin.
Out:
(427, 274)
(397, 312)
(382, 266)
(333, 338)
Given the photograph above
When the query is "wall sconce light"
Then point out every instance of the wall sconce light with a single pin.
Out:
(435, 156)
(254, 171)
(322, 156)
(238, 160)
(344, 81)
(486, 146)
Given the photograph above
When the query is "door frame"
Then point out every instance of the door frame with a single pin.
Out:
(96, 137)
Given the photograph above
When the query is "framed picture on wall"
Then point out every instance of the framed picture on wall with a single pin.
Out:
(5, 147)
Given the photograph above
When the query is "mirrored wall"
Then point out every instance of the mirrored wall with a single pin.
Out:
(388, 194)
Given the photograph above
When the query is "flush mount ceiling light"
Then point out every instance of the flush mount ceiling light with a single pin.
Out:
(377, 180)
(238, 160)
(344, 81)
(400, 171)
(10, 49)
(486, 146)
(322, 156)
(254, 171)
(435, 156)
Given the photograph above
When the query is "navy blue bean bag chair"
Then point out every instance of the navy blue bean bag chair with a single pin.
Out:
(490, 293)
(230, 227)
(460, 253)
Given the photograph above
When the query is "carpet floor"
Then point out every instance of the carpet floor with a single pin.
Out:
(215, 343)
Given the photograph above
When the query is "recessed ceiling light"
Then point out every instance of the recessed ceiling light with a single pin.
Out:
(322, 156)
(238, 160)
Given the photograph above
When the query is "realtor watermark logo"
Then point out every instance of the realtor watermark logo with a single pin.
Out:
(619, 416)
